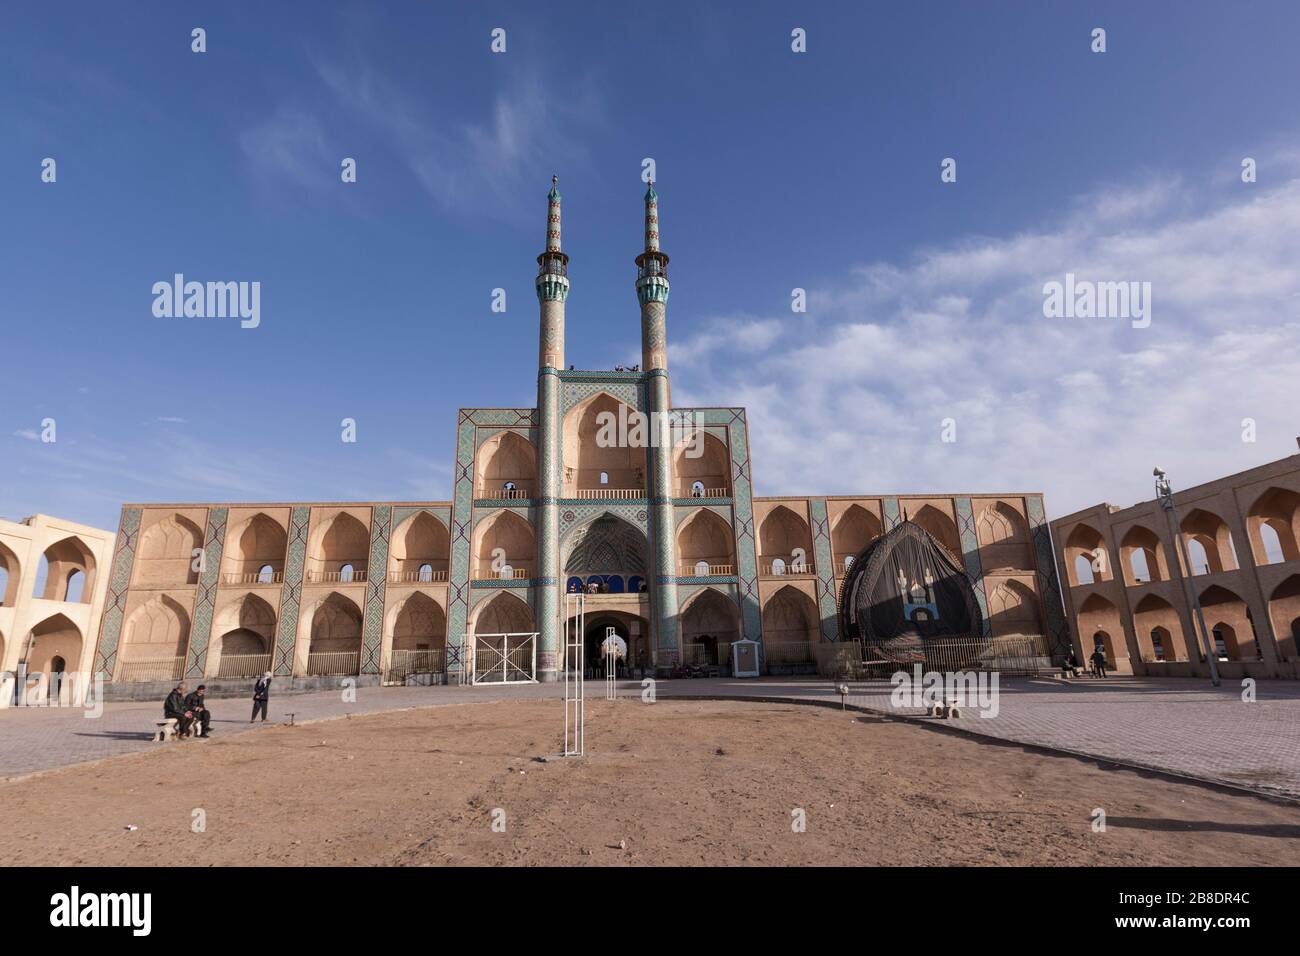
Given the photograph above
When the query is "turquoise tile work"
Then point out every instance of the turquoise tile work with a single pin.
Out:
(214, 540)
(119, 584)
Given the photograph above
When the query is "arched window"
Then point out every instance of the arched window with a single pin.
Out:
(1272, 543)
(702, 569)
(778, 566)
(426, 573)
(1083, 570)
(848, 562)
(509, 486)
(1137, 561)
(506, 572)
(346, 572)
(697, 489)
(1158, 643)
(1220, 644)
(265, 574)
(1197, 557)
(604, 477)
(4, 584)
(76, 581)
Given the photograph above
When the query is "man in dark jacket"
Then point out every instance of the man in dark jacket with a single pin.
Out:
(261, 694)
(1099, 662)
(198, 710)
(1070, 667)
(174, 708)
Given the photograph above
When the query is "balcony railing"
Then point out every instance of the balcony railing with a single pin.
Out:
(254, 577)
(702, 654)
(703, 569)
(333, 663)
(401, 664)
(487, 574)
(605, 494)
(416, 577)
(355, 576)
(243, 665)
(503, 494)
(788, 569)
(689, 492)
(150, 669)
(788, 652)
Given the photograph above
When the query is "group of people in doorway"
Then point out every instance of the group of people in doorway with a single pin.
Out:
(1071, 666)
(190, 710)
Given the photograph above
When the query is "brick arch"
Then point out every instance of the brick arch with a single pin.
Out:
(705, 537)
(159, 628)
(506, 458)
(586, 457)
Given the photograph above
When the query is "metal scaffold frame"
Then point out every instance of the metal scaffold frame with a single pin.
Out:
(490, 663)
(574, 666)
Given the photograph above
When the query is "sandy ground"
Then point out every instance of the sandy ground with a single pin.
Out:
(673, 783)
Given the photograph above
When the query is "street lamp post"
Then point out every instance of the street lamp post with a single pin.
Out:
(1165, 494)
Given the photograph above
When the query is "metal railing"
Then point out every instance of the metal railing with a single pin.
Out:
(416, 577)
(356, 576)
(609, 493)
(150, 669)
(788, 652)
(253, 577)
(701, 655)
(243, 665)
(702, 569)
(788, 569)
(1021, 654)
(333, 663)
(403, 663)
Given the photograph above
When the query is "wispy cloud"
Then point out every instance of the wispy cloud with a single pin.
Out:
(290, 146)
(852, 399)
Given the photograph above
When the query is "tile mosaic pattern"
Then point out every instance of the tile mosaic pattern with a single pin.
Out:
(970, 553)
(824, 563)
(214, 541)
(1058, 632)
(110, 632)
(372, 630)
(286, 632)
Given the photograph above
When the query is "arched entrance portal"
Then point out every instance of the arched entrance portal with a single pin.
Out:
(632, 628)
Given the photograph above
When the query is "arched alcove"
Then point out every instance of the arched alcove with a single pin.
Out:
(504, 547)
(420, 551)
(506, 467)
(603, 436)
(784, 536)
(339, 550)
(705, 539)
(702, 467)
(255, 551)
(854, 530)
(166, 555)
(710, 624)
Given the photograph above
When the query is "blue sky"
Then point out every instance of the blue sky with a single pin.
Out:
(776, 170)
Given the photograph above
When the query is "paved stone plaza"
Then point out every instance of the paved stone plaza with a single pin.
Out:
(1181, 726)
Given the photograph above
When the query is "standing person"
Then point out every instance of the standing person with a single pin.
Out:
(174, 709)
(198, 710)
(261, 694)
(1099, 661)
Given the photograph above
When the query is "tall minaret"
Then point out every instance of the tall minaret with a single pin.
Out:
(552, 291)
(652, 293)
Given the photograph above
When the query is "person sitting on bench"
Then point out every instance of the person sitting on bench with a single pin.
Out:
(198, 710)
(174, 709)
(1070, 667)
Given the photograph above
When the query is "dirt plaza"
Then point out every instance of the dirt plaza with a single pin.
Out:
(682, 782)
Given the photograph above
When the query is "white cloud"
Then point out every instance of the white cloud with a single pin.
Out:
(28, 433)
(290, 145)
(851, 400)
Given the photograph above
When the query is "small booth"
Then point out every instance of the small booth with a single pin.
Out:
(744, 658)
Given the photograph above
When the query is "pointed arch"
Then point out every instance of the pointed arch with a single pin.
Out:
(1278, 511)
(253, 546)
(340, 549)
(1210, 547)
(790, 617)
(1229, 615)
(504, 546)
(941, 527)
(783, 536)
(245, 627)
(506, 466)
(705, 539)
(420, 550)
(419, 625)
(55, 637)
(335, 628)
(1284, 612)
(1098, 617)
(10, 574)
(595, 444)
(504, 614)
(167, 550)
(1155, 619)
(60, 562)
(606, 545)
(710, 624)
(702, 466)
(1086, 559)
(1014, 610)
(1143, 555)
(854, 530)
(157, 629)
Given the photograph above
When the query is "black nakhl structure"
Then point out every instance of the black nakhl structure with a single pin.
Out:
(904, 592)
